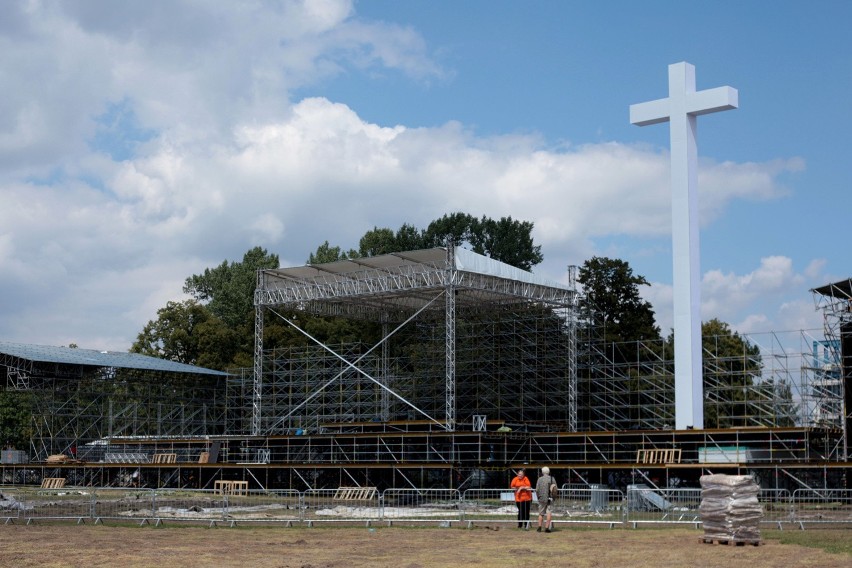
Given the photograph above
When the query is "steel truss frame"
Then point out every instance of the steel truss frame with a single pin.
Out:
(522, 379)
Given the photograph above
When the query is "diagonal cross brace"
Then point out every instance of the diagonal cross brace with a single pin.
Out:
(353, 367)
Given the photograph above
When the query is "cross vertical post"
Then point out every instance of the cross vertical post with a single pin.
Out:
(680, 109)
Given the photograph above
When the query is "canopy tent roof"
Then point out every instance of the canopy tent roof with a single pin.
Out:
(94, 358)
(401, 283)
(841, 289)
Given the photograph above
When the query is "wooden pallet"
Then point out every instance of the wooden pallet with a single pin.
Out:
(670, 455)
(165, 458)
(355, 493)
(227, 487)
(731, 541)
(53, 483)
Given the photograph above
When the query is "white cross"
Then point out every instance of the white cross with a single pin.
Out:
(680, 108)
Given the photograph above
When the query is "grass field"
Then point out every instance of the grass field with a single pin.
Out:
(61, 545)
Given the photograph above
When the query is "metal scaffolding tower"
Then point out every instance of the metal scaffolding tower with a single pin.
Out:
(832, 358)
(757, 380)
(472, 336)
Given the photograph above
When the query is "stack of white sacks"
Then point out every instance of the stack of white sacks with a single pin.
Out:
(729, 507)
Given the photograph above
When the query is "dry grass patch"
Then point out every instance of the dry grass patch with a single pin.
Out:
(65, 545)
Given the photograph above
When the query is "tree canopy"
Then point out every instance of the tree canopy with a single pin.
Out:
(611, 296)
(16, 425)
(506, 240)
(228, 289)
(215, 328)
(188, 332)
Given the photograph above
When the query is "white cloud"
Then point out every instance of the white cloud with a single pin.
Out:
(91, 243)
(187, 70)
(728, 293)
(752, 303)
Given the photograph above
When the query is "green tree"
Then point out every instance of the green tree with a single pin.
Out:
(228, 289)
(215, 328)
(454, 226)
(408, 237)
(611, 297)
(505, 240)
(327, 253)
(188, 332)
(378, 241)
(16, 422)
(615, 390)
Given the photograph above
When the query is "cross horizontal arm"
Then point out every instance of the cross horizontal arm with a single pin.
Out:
(712, 100)
(652, 112)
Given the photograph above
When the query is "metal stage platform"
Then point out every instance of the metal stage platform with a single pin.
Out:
(408, 454)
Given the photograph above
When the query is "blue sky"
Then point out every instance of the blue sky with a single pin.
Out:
(141, 142)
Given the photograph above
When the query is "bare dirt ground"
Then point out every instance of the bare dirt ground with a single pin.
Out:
(64, 545)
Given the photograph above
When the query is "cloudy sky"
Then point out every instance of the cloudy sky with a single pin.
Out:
(144, 141)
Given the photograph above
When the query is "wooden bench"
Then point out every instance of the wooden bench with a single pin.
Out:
(53, 483)
(671, 455)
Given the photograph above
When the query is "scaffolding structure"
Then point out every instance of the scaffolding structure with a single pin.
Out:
(73, 404)
(499, 352)
(462, 336)
(464, 368)
(830, 396)
(757, 380)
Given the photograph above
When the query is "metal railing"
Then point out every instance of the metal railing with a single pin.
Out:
(591, 505)
(489, 506)
(421, 505)
(666, 505)
(640, 505)
(821, 506)
(332, 505)
(777, 506)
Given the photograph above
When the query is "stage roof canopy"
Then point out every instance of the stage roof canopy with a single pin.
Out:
(398, 284)
(94, 358)
(841, 289)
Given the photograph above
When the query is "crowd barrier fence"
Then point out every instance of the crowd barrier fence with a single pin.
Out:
(639, 505)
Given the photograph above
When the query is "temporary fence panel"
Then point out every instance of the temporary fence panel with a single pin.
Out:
(56, 504)
(489, 506)
(595, 504)
(641, 504)
(662, 505)
(777, 506)
(822, 506)
(12, 506)
(421, 505)
(124, 504)
(265, 506)
(189, 505)
(341, 505)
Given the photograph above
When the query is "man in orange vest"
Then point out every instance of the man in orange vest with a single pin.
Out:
(523, 498)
